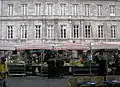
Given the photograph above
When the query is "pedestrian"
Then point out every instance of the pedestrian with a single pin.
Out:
(51, 68)
(102, 66)
(95, 58)
(58, 67)
(3, 72)
(61, 68)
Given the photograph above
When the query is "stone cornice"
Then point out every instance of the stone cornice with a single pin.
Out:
(60, 18)
(57, 0)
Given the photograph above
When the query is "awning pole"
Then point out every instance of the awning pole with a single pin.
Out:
(90, 58)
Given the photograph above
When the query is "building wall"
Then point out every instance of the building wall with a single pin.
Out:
(56, 19)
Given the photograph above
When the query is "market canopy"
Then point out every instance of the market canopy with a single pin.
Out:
(105, 45)
(33, 46)
(7, 47)
(72, 46)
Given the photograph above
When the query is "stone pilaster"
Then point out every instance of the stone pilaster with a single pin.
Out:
(44, 33)
(82, 29)
(56, 30)
(70, 29)
(105, 30)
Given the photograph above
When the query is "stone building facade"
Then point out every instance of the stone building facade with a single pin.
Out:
(57, 21)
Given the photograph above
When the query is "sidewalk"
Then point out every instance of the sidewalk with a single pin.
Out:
(36, 82)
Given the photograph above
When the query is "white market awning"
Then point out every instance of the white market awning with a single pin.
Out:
(7, 48)
(32, 46)
(72, 46)
(105, 45)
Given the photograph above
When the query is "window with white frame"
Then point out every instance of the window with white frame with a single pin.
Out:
(100, 8)
(100, 31)
(50, 32)
(10, 31)
(23, 31)
(75, 31)
(24, 9)
(87, 9)
(38, 9)
(75, 9)
(63, 31)
(10, 9)
(112, 9)
(49, 9)
(63, 9)
(38, 31)
(88, 31)
(113, 31)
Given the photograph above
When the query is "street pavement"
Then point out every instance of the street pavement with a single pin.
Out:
(37, 81)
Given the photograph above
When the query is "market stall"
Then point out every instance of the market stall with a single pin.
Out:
(33, 60)
(17, 66)
(77, 56)
(107, 50)
(80, 64)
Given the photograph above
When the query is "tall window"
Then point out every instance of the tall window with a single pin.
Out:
(10, 9)
(113, 31)
(63, 9)
(75, 9)
(24, 9)
(100, 8)
(38, 31)
(63, 31)
(38, 8)
(112, 9)
(50, 8)
(23, 31)
(87, 31)
(75, 31)
(87, 9)
(10, 32)
(100, 31)
(50, 32)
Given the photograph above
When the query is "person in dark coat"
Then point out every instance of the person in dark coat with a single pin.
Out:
(59, 67)
(51, 68)
(95, 58)
(102, 66)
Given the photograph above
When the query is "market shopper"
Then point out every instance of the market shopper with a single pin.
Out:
(96, 57)
(102, 66)
(51, 68)
(59, 67)
(3, 72)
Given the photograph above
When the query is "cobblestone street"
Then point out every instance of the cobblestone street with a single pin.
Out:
(36, 82)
